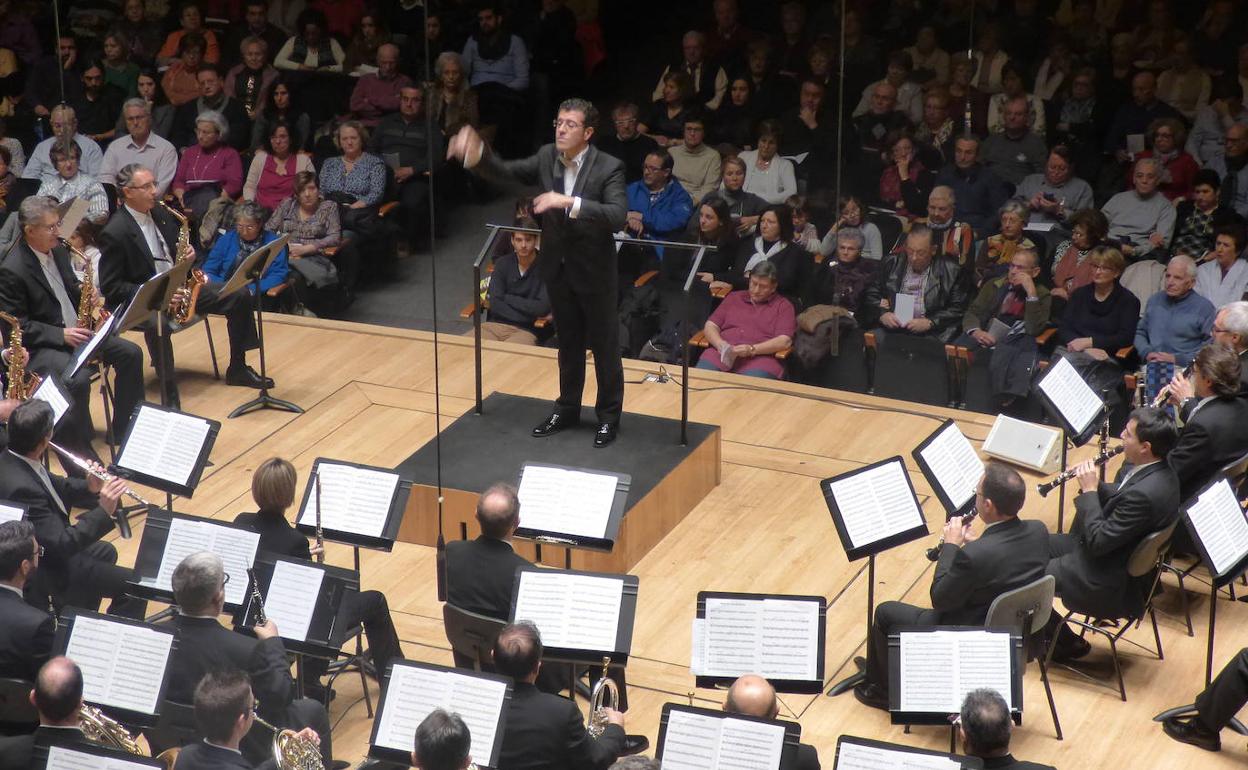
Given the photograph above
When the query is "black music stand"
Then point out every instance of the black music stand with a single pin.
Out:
(847, 743)
(1224, 571)
(92, 755)
(855, 551)
(1076, 434)
(170, 487)
(151, 555)
(953, 507)
(152, 298)
(251, 271)
(788, 752)
(805, 686)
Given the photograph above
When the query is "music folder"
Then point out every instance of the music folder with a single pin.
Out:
(574, 507)
(692, 738)
(582, 616)
(168, 538)
(874, 508)
(777, 636)
(932, 668)
(124, 662)
(252, 266)
(303, 599)
(951, 466)
(363, 504)
(87, 349)
(52, 391)
(11, 511)
(1220, 530)
(166, 449)
(853, 753)
(148, 298)
(89, 756)
(411, 690)
(1069, 399)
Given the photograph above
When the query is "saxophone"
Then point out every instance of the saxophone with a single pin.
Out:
(21, 385)
(91, 315)
(182, 304)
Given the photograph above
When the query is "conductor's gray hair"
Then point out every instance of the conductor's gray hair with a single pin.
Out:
(196, 582)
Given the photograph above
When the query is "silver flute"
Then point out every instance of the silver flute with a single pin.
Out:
(123, 525)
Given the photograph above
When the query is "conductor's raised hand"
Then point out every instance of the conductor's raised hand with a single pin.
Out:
(465, 146)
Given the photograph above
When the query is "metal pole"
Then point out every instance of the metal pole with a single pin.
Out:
(840, 111)
(684, 364)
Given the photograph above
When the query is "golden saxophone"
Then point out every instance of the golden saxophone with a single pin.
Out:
(605, 695)
(21, 385)
(182, 303)
(292, 751)
(108, 732)
(91, 314)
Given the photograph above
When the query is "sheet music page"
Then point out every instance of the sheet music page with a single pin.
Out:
(955, 465)
(929, 673)
(1220, 525)
(357, 500)
(983, 661)
(87, 350)
(236, 547)
(904, 309)
(164, 445)
(414, 692)
(580, 612)
(291, 599)
(697, 646)
(562, 501)
(876, 503)
(746, 745)
(789, 640)
(10, 513)
(65, 758)
(479, 702)
(1073, 397)
(854, 756)
(47, 391)
(122, 665)
(691, 741)
(732, 636)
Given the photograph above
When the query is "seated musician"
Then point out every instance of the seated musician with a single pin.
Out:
(984, 726)
(38, 287)
(1090, 561)
(481, 573)
(273, 488)
(225, 711)
(26, 633)
(140, 241)
(934, 282)
(57, 697)
(204, 645)
(544, 730)
(442, 742)
(1230, 328)
(1216, 705)
(749, 327)
(754, 696)
(77, 568)
(1215, 420)
(971, 571)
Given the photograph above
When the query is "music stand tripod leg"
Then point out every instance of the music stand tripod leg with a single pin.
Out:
(859, 676)
(263, 400)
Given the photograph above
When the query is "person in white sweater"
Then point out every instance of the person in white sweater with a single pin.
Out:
(1224, 278)
(697, 165)
(767, 175)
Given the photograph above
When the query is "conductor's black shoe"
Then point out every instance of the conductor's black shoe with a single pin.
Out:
(634, 744)
(606, 433)
(1193, 732)
(871, 694)
(246, 377)
(555, 423)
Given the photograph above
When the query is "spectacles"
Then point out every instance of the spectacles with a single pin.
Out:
(37, 552)
(571, 125)
(148, 186)
(225, 579)
(1220, 330)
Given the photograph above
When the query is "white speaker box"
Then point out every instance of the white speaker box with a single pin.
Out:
(1038, 447)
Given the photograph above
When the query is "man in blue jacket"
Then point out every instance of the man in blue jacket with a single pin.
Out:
(658, 206)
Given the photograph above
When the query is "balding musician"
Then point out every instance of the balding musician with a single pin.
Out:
(754, 696)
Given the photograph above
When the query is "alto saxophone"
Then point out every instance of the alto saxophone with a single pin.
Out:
(21, 385)
(91, 314)
(182, 303)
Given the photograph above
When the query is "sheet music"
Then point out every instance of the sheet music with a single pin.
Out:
(291, 598)
(49, 392)
(904, 307)
(701, 742)
(876, 504)
(1073, 398)
(567, 502)
(88, 349)
(10, 513)
(938, 668)
(697, 646)
(357, 500)
(776, 638)
(579, 612)
(164, 445)
(1220, 525)
(855, 756)
(955, 465)
(414, 692)
(65, 758)
(236, 547)
(122, 665)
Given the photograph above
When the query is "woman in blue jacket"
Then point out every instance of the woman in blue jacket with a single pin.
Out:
(235, 246)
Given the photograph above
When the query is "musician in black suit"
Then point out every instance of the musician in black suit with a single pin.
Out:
(273, 489)
(38, 287)
(754, 696)
(442, 742)
(1215, 419)
(205, 645)
(26, 633)
(77, 569)
(481, 573)
(1230, 328)
(971, 571)
(1090, 561)
(544, 731)
(984, 725)
(225, 711)
(57, 697)
(584, 202)
(139, 241)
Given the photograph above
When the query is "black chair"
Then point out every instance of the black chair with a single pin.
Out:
(356, 662)
(173, 729)
(16, 710)
(471, 635)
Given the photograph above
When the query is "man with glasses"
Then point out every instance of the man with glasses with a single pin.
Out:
(696, 165)
(26, 633)
(1232, 166)
(64, 128)
(626, 143)
(1230, 328)
(584, 203)
(140, 146)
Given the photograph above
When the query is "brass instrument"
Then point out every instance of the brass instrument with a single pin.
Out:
(291, 751)
(605, 695)
(1100, 459)
(320, 532)
(182, 303)
(21, 385)
(256, 598)
(105, 731)
(91, 313)
(934, 553)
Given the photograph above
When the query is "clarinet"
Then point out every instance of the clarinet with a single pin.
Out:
(1163, 395)
(934, 553)
(1100, 459)
(320, 532)
(256, 599)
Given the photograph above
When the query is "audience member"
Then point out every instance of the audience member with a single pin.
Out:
(271, 175)
(997, 250)
(708, 81)
(1135, 116)
(696, 165)
(833, 297)
(377, 94)
(744, 206)
(658, 206)
(311, 48)
(250, 81)
(872, 129)
(1177, 321)
(754, 696)
(936, 133)
(517, 297)
(990, 60)
(1197, 217)
(453, 102)
(1016, 150)
(984, 726)
(1100, 319)
(851, 213)
(768, 175)
(497, 65)
(773, 92)
(180, 81)
(978, 191)
(934, 283)
(1184, 85)
(141, 37)
(909, 98)
(1141, 219)
(809, 130)
(139, 145)
(1232, 168)
(805, 234)
(209, 168)
(664, 122)
(1224, 278)
(98, 106)
(64, 127)
(931, 63)
(1015, 90)
(54, 79)
(905, 183)
(152, 94)
(366, 42)
(212, 98)
(967, 97)
(1207, 138)
(70, 183)
(256, 27)
(1071, 267)
(1166, 139)
(312, 224)
(750, 327)
(794, 41)
(627, 143)
(191, 21)
(954, 239)
(1056, 194)
(734, 122)
(773, 242)
(403, 135)
(281, 106)
(229, 251)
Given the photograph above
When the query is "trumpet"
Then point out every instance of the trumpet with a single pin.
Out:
(1163, 395)
(1061, 478)
(934, 553)
(123, 524)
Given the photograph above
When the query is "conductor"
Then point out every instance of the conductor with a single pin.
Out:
(584, 202)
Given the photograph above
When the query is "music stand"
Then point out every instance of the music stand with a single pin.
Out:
(152, 555)
(63, 756)
(149, 417)
(1068, 399)
(782, 682)
(789, 733)
(251, 271)
(597, 541)
(948, 437)
(149, 299)
(891, 753)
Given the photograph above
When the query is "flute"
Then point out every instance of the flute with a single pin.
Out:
(320, 533)
(934, 553)
(1066, 475)
(1163, 395)
(123, 524)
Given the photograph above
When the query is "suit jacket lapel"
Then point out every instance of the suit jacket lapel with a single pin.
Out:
(29, 471)
(136, 235)
(591, 154)
(36, 270)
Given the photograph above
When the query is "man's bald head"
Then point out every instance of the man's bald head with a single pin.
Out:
(58, 691)
(752, 696)
(498, 511)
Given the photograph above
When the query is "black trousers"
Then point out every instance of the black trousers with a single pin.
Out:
(888, 617)
(76, 429)
(93, 575)
(414, 201)
(1226, 694)
(240, 324)
(370, 609)
(587, 320)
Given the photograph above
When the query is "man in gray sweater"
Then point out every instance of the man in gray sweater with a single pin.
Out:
(1141, 216)
(1017, 151)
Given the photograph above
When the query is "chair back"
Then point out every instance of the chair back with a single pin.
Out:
(1236, 472)
(175, 727)
(1147, 555)
(1026, 608)
(15, 705)
(471, 634)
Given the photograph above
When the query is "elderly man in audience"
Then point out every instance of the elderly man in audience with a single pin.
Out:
(377, 94)
(1224, 278)
(626, 143)
(1230, 328)
(1198, 217)
(695, 164)
(984, 726)
(212, 97)
(1055, 194)
(1207, 138)
(71, 183)
(979, 192)
(140, 146)
(970, 572)
(1135, 116)
(954, 239)
(1232, 166)
(749, 327)
(708, 79)
(403, 134)
(1016, 151)
(1177, 321)
(442, 742)
(754, 696)
(936, 291)
(517, 296)
(1141, 219)
(64, 127)
(873, 127)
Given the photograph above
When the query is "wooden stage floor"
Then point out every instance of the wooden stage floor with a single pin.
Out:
(369, 396)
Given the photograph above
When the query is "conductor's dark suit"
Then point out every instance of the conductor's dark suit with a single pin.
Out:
(547, 732)
(205, 645)
(26, 293)
(1008, 555)
(76, 569)
(578, 264)
(25, 637)
(1090, 562)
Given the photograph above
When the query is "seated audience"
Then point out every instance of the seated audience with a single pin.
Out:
(1184, 85)
(356, 181)
(280, 106)
(442, 742)
(851, 213)
(754, 696)
(1099, 319)
(935, 283)
(153, 95)
(64, 128)
(99, 105)
(1216, 706)
(271, 175)
(311, 48)
(1141, 219)
(1135, 116)
(978, 191)
(229, 251)
(1054, 195)
(664, 122)
(964, 93)
(1071, 267)
(772, 92)
(27, 631)
(1016, 151)
(834, 295)
(142, 37)
(1014, 89)
(658, 206)
(695, 164)
(120, 69)
(954, 239)
(1207, 139)
(1224, 278)
(809, 130)
(804, 232)
(212, 96)
(250, 81)
(1197, 217)
(70, 183)
(905, 182)
(708, 81)
(402, 135)
(1231, 167)
(1177, 168)
(909, 94)
(984, 726)
(313, 226)
(743, 206)
(768, 175)
(627, 143)
(931, 63)
(369, 38)
(749, 327)
(255, 26)
(773, 242)
(139, 144)
(497, 65)
(517, 297)
(936, 133)
(209, 168)
(996, 251)
(453, 102)
(376, 94)
(1230, 328)
(872, 129)
(735, 122)
(179, 82)
(1177, 321)
(51, 79)
(191, 19)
